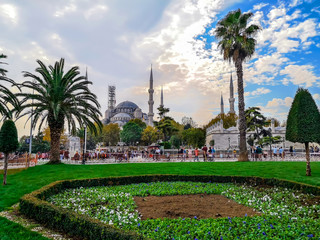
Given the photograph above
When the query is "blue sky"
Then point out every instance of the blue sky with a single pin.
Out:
(117, 40)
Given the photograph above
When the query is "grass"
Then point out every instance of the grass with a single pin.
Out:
(26, 181)
(14, 231)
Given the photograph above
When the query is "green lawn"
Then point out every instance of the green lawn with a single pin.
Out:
(20, 183)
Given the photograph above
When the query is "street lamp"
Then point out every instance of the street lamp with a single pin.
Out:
(229, 141)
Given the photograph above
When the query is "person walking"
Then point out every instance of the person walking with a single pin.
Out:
(196, 155)
(204, 152)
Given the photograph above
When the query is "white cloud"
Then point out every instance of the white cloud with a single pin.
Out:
(277, 102)
(95, 12)
(316, 96)
(71, 7)
(301, 75)
(260, 91)
(259, 6)
(295, 3)
(9, 12)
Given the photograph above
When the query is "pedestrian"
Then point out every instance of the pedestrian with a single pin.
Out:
(281, 152)
(234, 153)
(275, 151)
(204, 153)
(196, 155)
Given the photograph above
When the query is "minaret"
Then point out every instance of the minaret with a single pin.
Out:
(231, 99)
(150, 102)
(221, 105)
(161, 99)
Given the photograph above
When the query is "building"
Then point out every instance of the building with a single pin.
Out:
(127, 110)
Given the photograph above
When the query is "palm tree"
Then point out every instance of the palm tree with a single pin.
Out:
(7, 98)
(60, 97)
(237, 44)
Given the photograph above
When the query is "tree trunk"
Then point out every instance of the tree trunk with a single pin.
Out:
(308, 171)
(243, 154)
(5, 168)
(55, 134)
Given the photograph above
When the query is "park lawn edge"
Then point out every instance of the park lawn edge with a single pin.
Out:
(34, 204)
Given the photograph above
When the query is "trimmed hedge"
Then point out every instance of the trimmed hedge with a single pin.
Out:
(34, 205)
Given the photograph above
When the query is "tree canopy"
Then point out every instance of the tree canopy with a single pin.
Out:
(131, 133)
(303, 122)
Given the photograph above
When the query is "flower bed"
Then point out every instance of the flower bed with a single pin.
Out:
(300, 224)
(286, 213)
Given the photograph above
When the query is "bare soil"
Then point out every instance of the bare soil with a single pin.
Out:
(188, 206)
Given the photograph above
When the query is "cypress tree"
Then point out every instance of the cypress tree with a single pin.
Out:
(8, 143)
(303, 122)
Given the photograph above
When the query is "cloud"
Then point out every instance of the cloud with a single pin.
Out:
(301, 75)
(9, 12)
(260, 91)
(68, 8)
(295, 3)
(95, 12)
(277, 102)
(259, 6)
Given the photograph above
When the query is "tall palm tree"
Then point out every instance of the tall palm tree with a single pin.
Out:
(7, 98)
(237, 44)
(60, 97)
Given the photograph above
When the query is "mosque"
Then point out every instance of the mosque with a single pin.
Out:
(127, 110)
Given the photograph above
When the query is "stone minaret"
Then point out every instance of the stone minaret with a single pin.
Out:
(231, 99)
(151, 102)
(161, 99)
(221, 105)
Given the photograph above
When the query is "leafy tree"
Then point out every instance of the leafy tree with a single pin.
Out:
(167, 126)
(256, 122)
(39, 145)
(111, 134)
(269, 140)
(195, 137)
(229, 120)
(131, 133)
(176, 141)
(303, 122)
(7, 98)
(237, 44)
(60, 97)
(212, 142)
(150, 135)
(162, 111)
(188, 122)
(139, 122)
(8, 143)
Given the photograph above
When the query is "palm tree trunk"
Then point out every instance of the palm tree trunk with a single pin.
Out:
(55, 134)
(308, 171)
(5, 168)
(243, 154)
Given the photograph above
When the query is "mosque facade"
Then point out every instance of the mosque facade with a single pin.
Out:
(127, 110)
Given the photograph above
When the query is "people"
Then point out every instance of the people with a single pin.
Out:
(259, 152)
(234, 153)
(275, 151)
(281, 152)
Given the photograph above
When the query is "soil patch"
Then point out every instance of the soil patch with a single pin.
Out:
(188, 206)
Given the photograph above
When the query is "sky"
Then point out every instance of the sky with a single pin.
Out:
(118, 40)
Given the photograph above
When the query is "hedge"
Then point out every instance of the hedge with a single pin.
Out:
(34, 205)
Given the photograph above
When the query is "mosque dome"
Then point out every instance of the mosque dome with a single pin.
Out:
(127, 104)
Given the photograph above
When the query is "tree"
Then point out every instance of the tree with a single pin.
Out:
(276, 122)
(63, 138)
(8, 143)
(131, 133)
(150, 135)
(176, 141)
(111, 134)
(60, 97)
(162, 111)
(256, 122)
(167, 126)
(139, 122)
(188, 122)
(229, 120)
(195, 137)
(7, 98)
(237, 44)
(269, 140)
(303, 122)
